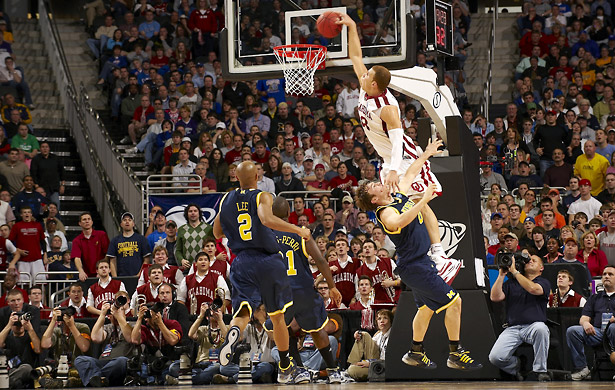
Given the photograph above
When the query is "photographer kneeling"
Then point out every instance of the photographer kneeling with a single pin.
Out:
(110, 368)
(526, 294)
(159, 337)
(209, 338)
(66, 337)
(21, 346)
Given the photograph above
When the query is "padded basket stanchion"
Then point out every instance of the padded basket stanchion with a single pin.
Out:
(299, 62)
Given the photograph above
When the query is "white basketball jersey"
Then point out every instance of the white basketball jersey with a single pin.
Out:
(374, 127)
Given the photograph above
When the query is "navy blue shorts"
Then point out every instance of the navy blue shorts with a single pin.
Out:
(257, 278)
(428, 287)
(308, 309)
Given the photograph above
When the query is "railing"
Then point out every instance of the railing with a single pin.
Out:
(166, 185)
(486, 99)
(47, 283)
(114, 187)
(58, 296)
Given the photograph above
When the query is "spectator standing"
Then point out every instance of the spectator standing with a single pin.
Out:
(384, 280)
(29, 236)
(526, 295)
(160, 222)
(558, 174)
(190, 237)
(29, 197)
(590, 255)
(586, 203)
(105, 289)
(129, 250)
(564, 295)
(347, 216)
(48, 172)
(88, 247)
(547, 138)
(204, 26)
(591, 166)
(591, 329)
(14, 171)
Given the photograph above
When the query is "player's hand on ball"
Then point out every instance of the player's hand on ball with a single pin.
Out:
(335, 294)
(392, 181)
(430, 193)
(432, 147)
(346, 20)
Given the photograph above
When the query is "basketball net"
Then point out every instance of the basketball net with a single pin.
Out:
(299, 62)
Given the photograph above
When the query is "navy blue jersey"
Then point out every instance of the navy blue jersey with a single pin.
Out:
(292, 247)
(241, 224)
(411, 242)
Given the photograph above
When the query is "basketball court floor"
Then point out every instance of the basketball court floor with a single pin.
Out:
(422, 385)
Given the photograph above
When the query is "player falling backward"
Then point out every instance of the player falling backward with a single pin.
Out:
(404, 223)
(380, 118)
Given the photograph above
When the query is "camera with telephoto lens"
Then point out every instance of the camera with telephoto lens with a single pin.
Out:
(66, 311)
(40, 371)
(504, 260)
(156, 366)
(215, 305)
(22, 316)
(157, 307)
(120, 301)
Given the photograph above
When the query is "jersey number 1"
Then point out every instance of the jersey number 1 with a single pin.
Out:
(290, 257)
(245, 224)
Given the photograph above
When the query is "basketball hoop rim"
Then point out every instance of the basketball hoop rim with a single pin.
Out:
(285, 50)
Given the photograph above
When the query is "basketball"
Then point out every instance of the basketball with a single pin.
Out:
(326, 24)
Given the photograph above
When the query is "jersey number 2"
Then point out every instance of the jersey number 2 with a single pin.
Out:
(245, 224)
(290, 256)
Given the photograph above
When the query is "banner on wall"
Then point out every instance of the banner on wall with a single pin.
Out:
(174, 206)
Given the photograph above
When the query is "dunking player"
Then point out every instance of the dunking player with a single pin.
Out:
(258, 273)
(403, 221)
(380, 119)
(308, 306)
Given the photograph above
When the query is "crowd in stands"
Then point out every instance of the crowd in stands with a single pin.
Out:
(546, 170)
(159, 62)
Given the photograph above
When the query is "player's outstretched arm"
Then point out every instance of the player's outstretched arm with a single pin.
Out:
(408, 178)
(265, 214)
(390, 115)
(323, 267)
(354, 45)
(393, 220)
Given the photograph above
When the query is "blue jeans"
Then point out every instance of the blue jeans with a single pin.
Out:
(535, 334)
(258, 370)
(114, 369)
(204, 373)
(97, 45)
(148, 145)
(22, 88)
(311, 358)
(576, 338)
(544, 165)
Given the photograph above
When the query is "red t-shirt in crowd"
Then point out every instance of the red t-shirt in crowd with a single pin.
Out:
(28, 236)
(344, 184)
(294, 218)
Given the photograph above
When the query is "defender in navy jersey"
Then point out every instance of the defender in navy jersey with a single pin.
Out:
(258, 273)
(401, 218)
(309, 309)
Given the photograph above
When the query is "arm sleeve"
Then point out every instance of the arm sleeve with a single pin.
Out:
(222, 284)
(397, 139)
(182, 291)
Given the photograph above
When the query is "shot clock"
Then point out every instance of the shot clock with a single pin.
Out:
(439, 27)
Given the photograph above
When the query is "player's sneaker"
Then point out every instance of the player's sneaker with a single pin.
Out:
(293, 374)
(418, 359)
(461, 360)
(334, 374)
(228, 348)
(447, 268)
